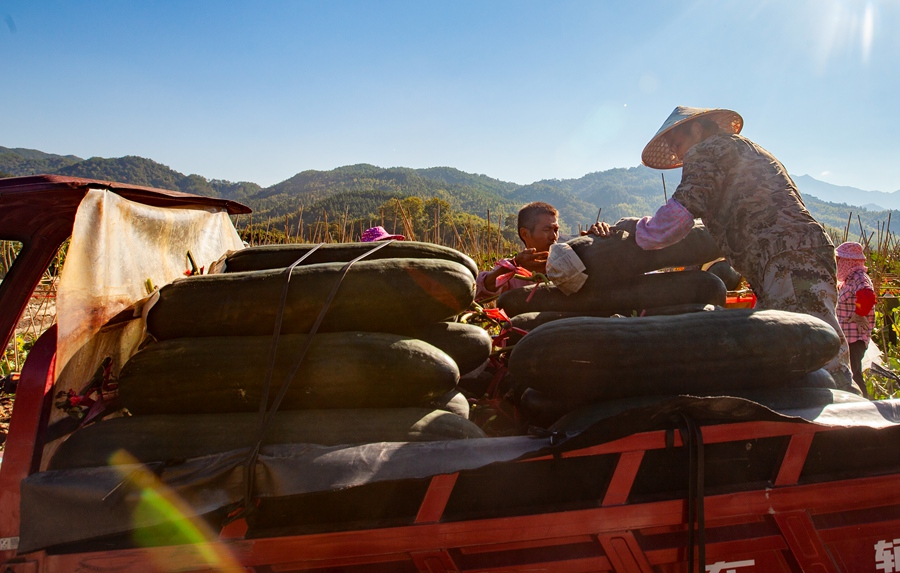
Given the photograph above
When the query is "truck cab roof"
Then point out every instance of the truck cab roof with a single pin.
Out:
(38, 211)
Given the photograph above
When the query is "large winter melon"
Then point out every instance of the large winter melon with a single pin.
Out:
(595, 359)
(616, 259)
(469, 345)
(642, 292)
(375, 296)
(810, 390)
(170, 437)
(340, 370)
(528, 321)
(277, 256)
(783, 400)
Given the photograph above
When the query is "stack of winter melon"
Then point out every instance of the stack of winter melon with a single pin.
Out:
(617, 282)
(629, 334)
(381, 359)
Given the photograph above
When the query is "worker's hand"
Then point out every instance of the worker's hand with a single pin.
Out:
(860, 320)
(628, 224)
(533, 260)
(600, 229)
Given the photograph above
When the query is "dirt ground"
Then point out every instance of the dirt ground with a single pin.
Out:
(6, 404)
(38, 316)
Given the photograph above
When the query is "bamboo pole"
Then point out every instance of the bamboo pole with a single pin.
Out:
(488, 235)
(407, 224)
(476, 244)
(437, 238)
(300, 224)
(459, 241)
(344, 224)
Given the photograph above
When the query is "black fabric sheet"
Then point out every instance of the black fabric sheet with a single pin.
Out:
(67, 506)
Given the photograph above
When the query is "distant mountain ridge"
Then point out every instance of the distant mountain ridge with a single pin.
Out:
(20, 161)
(470, 193)
(843, 194)
(358, 190)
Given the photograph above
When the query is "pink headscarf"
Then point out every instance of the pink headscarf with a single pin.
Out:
(850, 257)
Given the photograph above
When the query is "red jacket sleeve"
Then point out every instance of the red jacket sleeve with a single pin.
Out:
(865, 300)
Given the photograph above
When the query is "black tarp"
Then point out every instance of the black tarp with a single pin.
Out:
(67, 506)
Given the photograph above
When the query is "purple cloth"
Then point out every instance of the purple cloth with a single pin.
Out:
(671, 223)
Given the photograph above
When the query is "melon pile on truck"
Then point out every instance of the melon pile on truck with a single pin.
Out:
(630, 332)
(299, 408)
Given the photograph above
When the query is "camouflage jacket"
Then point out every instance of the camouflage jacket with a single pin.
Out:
(749, 203)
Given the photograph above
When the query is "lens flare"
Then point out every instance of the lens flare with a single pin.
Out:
(174, 521)
(845, 27)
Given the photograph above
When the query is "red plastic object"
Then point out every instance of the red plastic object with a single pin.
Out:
(741, 301)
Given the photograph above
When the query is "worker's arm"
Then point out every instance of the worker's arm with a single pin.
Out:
(671, 223)
(528, 259)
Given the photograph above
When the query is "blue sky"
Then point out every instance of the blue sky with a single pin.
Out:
(517, 90)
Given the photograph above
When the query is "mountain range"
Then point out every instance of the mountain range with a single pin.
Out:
(358, 191)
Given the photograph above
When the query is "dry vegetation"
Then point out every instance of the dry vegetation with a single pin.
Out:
(39, 315)
(485, 240)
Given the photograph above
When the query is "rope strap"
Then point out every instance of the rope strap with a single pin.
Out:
(692, 438)
(266, 416)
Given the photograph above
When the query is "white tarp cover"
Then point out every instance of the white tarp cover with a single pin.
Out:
(116, 246)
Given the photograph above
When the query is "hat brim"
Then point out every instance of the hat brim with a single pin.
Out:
(658, 155)
(850, 250)
(850, 256)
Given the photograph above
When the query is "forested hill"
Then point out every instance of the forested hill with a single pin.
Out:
(140, 171)
(353, 186)
(129, 169)
(367, 193)
(30, 161)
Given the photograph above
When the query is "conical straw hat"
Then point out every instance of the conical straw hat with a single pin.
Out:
(657, 153)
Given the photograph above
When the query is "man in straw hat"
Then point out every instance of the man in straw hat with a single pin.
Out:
(752, 208)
